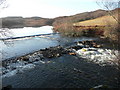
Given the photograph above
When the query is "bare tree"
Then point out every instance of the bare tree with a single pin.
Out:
(2, 1)
(3, 4)
(112, 29)
(110, 5)
(3, 31)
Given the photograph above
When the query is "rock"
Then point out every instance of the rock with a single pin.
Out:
(53, 52)
(72, 53)
(88, 43)
(77, 47)
(99, 87)
(79, 43)
(97, 46)
(84, 49)
(8, 87)
(77, 70)
(36, 59)
(25, 58)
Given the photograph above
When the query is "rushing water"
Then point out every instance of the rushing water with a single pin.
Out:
(18, 47)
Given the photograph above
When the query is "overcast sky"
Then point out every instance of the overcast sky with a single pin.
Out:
(47, 8)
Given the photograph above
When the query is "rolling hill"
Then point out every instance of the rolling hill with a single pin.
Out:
(101, 21)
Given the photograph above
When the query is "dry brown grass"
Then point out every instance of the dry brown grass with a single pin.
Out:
(101, 21)
(110, 25)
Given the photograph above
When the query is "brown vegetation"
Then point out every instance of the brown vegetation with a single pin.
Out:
(79, 17)
(14, 22)
(36, 22)
(66, 27)
(65, 24)
(105, 25)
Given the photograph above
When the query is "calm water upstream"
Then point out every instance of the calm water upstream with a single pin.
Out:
(18, 47)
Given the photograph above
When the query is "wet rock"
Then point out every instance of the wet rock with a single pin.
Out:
(54, 52)
(8, 87)
(76, 47)
(100, 87)
(25, 58)
(88, 43)
(97, 46)
(51, 54)
(72, 53)
(79, 71)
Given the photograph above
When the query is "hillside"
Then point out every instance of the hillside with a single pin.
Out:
(37, 22)
(17, 22)
(79, 17)
(101, 21)
(13, 22)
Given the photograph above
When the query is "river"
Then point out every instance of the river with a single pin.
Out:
(21, 46)
(66, 71)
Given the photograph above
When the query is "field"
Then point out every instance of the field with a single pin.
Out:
(101, 21)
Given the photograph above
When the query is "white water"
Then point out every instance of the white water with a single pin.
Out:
(99, 55)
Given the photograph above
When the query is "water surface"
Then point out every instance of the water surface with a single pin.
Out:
(18, 47)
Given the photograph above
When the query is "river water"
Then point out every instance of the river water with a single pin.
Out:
(18, 47)
(63, 72)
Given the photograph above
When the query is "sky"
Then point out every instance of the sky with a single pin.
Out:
(47, 8)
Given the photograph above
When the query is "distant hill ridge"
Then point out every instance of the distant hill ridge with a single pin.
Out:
(39, 21)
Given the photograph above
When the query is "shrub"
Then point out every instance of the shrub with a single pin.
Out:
(69, 29)
(112, 31)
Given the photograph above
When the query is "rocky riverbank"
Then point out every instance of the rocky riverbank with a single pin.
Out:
(90, 51)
